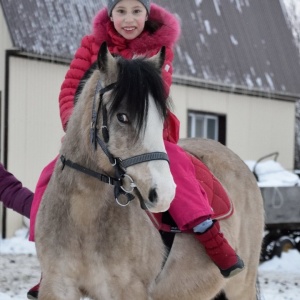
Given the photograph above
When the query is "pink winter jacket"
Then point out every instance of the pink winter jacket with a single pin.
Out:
(190, 203)
(146, 43)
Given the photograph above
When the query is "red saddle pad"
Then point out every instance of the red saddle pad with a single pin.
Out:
(217, 196)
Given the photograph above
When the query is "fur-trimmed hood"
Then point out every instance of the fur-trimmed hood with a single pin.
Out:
(166, 35)
(147, 44)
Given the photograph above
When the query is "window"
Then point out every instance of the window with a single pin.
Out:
(204, 125)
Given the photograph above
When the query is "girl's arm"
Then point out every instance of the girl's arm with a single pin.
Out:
(13, 195)
(167, 69)
(79, 65)
(172, 124)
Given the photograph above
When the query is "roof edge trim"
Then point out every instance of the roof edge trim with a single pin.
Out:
(234, 89)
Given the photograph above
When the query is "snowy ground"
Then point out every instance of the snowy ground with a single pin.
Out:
(19, 267)
(279, 278)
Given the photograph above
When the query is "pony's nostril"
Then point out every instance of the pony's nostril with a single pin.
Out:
(153, 195)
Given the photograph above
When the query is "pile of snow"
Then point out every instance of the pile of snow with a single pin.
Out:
(270, 173)
(18, 244)
(288, 262)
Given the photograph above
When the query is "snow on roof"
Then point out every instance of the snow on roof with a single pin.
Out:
(238, 44)
(291, 10)
(50, 28)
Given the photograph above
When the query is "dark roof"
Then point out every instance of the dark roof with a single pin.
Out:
(47, 27)
(230, 44)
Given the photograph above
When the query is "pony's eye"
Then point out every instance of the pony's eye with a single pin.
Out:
(123, 118)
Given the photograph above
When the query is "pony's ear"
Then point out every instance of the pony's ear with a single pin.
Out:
(104, 58)
(159, 58)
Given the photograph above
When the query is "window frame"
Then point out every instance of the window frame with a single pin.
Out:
(220, 126)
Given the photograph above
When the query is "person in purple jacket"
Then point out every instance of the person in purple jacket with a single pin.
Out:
(19, 198)
(13, 195)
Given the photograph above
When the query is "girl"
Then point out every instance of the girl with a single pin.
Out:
(134, 27)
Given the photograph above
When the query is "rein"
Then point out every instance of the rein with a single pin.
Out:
(120, 165)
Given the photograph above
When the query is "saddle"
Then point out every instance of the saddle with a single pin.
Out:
(217, 196)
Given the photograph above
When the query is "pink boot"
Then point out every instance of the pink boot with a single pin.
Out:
(220, 252)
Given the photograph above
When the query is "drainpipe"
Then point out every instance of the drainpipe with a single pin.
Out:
(8, 54)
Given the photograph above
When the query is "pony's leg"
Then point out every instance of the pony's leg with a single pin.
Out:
(114, 290)
(54, 287)
(188, 274)
(242, 286)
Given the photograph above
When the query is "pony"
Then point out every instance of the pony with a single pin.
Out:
(95, 236)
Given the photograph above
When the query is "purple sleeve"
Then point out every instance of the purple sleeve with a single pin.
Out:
(13, 194)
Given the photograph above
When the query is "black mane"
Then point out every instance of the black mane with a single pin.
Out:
(83, 80)
(137, 79)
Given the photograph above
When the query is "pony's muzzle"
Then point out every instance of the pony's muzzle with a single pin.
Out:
(159, 200)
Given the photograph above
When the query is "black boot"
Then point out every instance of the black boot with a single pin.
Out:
(220, 252)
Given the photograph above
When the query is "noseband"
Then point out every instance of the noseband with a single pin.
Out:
(120, 165)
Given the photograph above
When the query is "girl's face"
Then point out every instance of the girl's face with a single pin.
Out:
(129, 17)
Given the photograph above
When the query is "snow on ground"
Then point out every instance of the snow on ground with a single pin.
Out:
(279, 278)
(19, 266)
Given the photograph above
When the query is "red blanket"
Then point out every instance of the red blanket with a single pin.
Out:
(217, 196)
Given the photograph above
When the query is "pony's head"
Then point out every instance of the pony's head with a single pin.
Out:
(125, 102)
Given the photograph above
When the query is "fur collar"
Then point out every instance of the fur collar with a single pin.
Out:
(166, 35)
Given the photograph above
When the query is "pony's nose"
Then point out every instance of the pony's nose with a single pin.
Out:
(153, 196)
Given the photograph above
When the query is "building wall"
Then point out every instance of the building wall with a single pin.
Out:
(35, 129)
(4, 45)
(255, 126)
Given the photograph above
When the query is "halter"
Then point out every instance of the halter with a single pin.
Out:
(119, 165)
